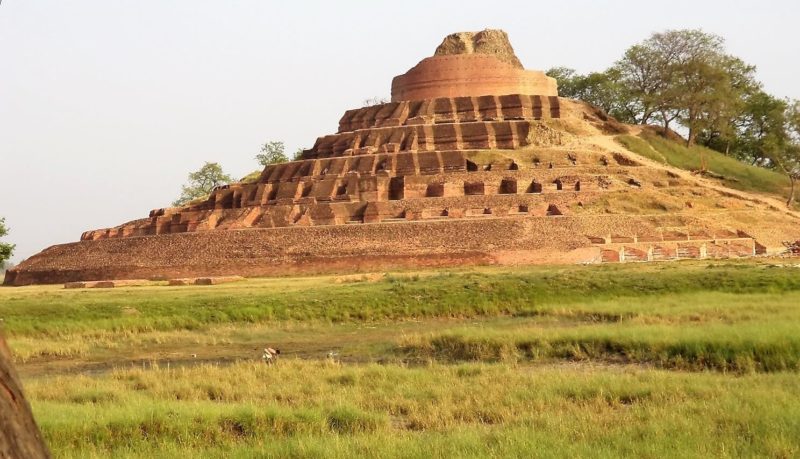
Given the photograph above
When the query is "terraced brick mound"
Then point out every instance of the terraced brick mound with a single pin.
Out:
(483, 164)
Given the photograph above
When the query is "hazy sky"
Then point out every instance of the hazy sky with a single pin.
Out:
(106, 105)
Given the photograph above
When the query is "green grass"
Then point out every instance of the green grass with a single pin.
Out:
(688, 359)
(252, 177)
(51, 311)
(764, 344)
(308, 409)
(736, 174)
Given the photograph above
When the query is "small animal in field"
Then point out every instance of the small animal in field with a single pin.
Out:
(270, 355)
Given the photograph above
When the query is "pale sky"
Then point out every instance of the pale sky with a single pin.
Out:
(107, 105)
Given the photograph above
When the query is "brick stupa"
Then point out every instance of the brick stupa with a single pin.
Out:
(474, 161)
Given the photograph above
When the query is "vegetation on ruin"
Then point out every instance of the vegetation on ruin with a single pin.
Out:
(201, 183)
(252, 177)
(732, 173)
(687, 78)
(689, 358)
(272, 152)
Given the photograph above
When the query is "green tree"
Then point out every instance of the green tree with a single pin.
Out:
(793, 113)
(769, 135)
(272, 153)
(713, 94)
(6, 250)
(686, 76)
(787, 159)
(568, 81)
(741, 87)
(202, 182)
(601, 89)
(643, 72)
(298, 154)
(762, 125)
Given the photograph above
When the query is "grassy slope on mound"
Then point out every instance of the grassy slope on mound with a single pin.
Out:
(252, 177)
(319, 409)
(736, 174)
(524, 291)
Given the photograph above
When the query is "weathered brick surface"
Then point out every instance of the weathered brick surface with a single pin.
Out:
(468, 75)
(279, 251)
(493, 168)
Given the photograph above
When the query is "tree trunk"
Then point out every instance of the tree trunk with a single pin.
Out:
(646, 117)
(691, 138)
(691, 120)
(19, 436)
(793, 181)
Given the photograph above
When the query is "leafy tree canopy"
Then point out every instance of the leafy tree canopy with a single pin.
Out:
(202, 182)
(272, 152)
(786, 155)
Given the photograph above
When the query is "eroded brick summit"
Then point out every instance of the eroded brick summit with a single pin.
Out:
(475, 160)
(471, 64)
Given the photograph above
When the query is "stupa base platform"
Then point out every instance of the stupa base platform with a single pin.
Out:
(509, 240)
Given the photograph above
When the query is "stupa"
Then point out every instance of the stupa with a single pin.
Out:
(474, 161)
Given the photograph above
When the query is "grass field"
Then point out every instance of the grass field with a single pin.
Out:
(734, 173)
(664, 359)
